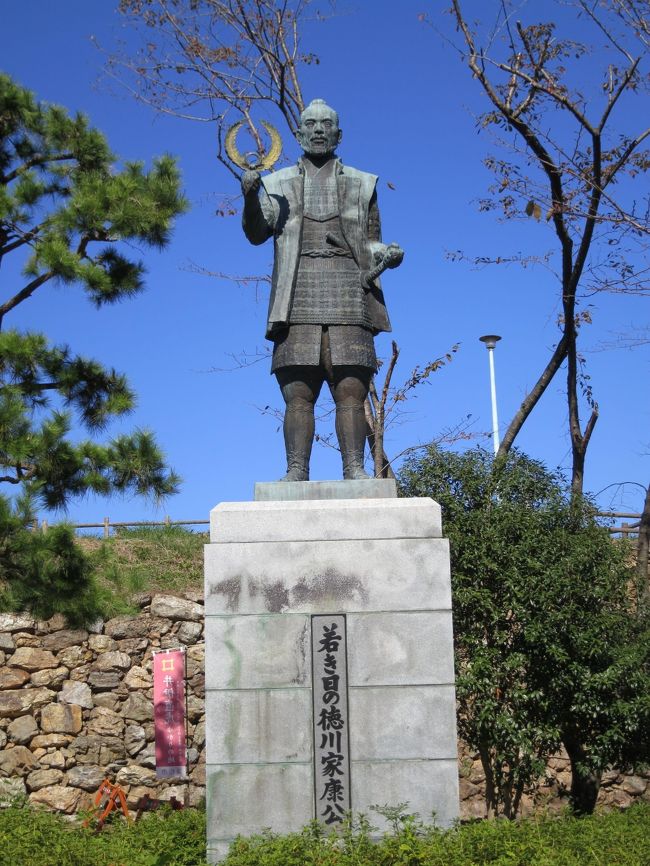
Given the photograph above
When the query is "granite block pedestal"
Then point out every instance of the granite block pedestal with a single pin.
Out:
(329, 659)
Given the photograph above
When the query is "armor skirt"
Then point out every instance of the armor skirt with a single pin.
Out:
(300, 345)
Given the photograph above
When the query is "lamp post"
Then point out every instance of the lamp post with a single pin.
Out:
(490, 341)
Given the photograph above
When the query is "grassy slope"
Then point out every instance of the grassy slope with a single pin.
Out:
(165, 559)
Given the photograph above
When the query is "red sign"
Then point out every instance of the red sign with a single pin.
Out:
(169, 713)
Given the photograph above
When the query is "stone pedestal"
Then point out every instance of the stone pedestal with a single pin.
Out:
(270, 567)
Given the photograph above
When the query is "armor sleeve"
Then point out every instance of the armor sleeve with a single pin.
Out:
(259, 219)
(374, 221)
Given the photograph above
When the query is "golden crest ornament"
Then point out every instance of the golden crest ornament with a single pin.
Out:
(265, 160)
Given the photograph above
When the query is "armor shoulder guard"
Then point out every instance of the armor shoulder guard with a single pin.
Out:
(368, 181)
(273, 182)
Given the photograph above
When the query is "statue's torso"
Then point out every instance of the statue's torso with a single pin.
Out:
(328, 286)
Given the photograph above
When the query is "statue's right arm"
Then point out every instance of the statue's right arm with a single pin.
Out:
(258, 218)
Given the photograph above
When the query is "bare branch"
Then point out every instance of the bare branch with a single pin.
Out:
(589, 10)
(578, 163)
(394, 355)
(244, 359)
(243, 281)
(532, 140)
(459, 432)
(222, 60)
(637, 336)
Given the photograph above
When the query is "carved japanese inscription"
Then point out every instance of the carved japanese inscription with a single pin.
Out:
(331, 721)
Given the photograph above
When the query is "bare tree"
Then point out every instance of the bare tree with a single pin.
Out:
(569, 156)
(384, 403)
(217, 61)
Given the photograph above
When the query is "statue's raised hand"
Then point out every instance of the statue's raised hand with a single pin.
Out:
(250, 182)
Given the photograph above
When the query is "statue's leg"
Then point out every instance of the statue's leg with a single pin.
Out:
(350, 389)
(300, 388)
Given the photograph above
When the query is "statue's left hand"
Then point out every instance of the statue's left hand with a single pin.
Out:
(393, 256)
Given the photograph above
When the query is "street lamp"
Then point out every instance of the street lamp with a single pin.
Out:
(490, 341)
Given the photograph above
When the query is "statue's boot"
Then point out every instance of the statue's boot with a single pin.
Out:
(351, 432)
(297, 470)
(298, 439)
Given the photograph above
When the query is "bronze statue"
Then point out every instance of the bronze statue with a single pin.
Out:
(326, 301)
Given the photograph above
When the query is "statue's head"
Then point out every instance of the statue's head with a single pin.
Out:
(319, 133)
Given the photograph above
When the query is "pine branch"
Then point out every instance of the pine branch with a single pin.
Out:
(38, 159)
(25, 238)
(23, 294)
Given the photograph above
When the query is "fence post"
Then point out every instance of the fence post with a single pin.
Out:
(107, 527)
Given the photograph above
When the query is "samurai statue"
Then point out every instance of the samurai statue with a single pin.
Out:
(326, 301)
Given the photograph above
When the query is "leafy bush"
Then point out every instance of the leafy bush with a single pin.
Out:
(603, 840)
(178, 839)
(551, 647)
(35, 838)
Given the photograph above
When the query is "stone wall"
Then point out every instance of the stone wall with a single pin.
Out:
(76, 707)
(618, 790)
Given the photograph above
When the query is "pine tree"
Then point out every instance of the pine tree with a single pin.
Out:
(67, 209)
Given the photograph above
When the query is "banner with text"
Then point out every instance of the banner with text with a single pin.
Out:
(169, 713)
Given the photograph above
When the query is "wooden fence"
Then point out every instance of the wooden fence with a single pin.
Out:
(107, 523)
(624, 529)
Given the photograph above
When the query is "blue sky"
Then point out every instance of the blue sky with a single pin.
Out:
(406, 107)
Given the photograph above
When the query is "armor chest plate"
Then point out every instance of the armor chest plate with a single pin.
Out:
(321, 201)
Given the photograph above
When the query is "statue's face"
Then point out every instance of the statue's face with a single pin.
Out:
(319, 132)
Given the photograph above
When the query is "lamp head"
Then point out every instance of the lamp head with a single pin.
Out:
(490, 340)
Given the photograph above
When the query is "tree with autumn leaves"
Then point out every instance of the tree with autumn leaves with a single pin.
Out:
(566, 100)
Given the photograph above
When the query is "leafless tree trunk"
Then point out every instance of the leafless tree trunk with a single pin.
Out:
(577, 171)
(376, 418)
(530, 400)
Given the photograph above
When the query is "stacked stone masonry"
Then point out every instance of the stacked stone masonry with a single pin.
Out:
(76, 707)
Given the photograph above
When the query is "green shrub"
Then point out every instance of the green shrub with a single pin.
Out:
(164, 838)
(617, 839)
(45, 573)
(88, 577)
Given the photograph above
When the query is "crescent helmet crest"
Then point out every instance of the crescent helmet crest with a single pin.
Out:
(265, 160)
